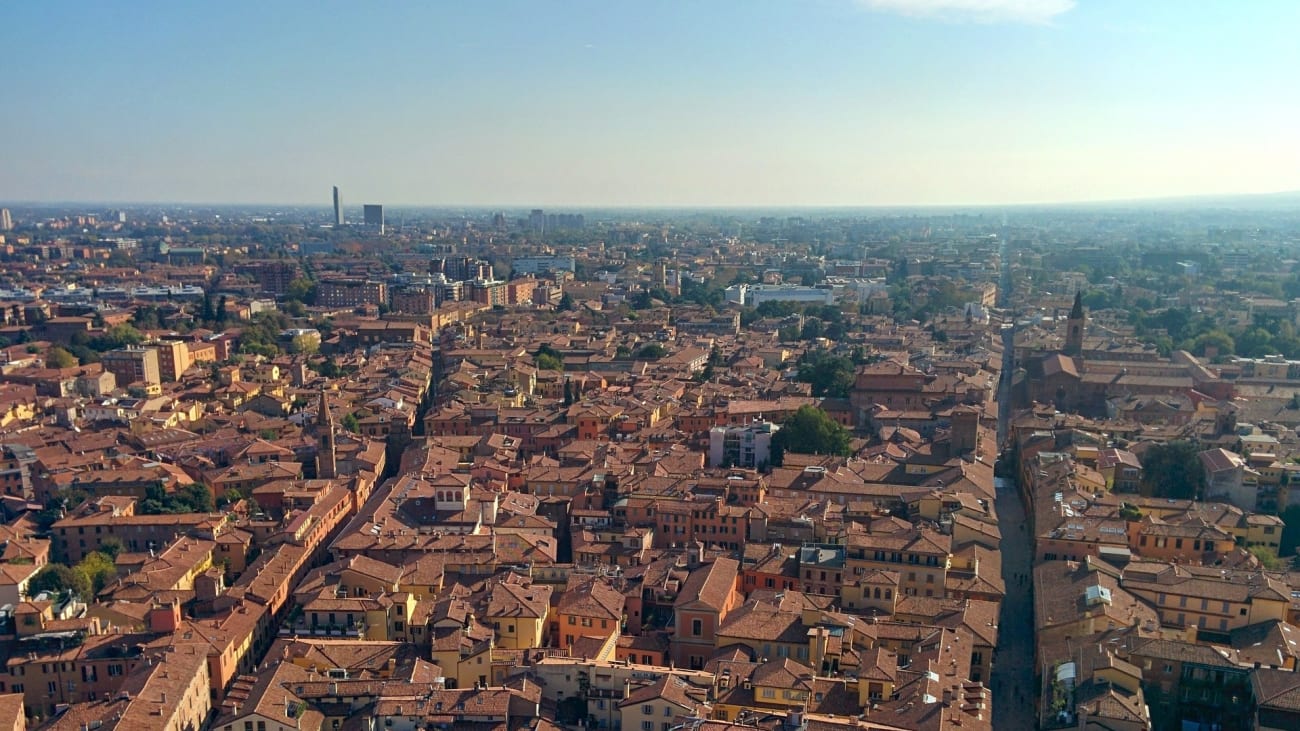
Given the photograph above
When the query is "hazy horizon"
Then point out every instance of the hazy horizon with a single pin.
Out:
(781, 104)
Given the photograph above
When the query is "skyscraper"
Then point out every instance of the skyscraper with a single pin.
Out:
(338, 207)
(374, 215)
(6, 220)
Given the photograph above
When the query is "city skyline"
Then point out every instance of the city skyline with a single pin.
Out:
(836, 103)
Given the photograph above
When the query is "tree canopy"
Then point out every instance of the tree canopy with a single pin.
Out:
(59, 579)
(1173, 470)
(652, 351)
(195, 498)
(98, 569)
(810, 431)
(57, 357)
(548, 359)
(830, 375)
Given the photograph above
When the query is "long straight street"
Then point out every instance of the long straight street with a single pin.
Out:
(1013, 665)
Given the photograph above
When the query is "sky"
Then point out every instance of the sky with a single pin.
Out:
(590, 103)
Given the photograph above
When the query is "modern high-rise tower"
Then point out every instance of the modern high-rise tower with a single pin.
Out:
(6, 220)
(374, 215)
(338, 207)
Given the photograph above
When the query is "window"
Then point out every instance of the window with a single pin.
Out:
(769, 693)
(697, 627)
(647, 726)
(647, 710)
(668, 711)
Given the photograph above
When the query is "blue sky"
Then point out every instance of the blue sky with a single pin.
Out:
(715, 102)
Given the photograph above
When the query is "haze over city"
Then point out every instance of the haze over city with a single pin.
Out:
(820, 103)
(725, 365)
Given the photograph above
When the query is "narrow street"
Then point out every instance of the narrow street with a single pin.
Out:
(1013, 663)
(1013, 666)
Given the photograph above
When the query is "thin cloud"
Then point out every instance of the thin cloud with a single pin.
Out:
(1029, 12)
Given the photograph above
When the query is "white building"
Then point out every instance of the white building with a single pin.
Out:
(753, 295)
(746, 446)
(542, 264)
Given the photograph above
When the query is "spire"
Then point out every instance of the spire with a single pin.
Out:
(1076, 312)
(324, 419)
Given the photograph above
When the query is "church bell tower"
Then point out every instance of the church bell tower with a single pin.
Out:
(326, 449)
(1075, 326)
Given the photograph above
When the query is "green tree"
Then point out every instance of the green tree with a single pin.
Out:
(1217, 339)
(98, 569)
(147, 317)
(1173, 470)
(1256, 342)
(548, 359)
(812, 329)
(349, 422)
(304, 344)
(57, 578)
(1290, 540)
(652, 351)
(641, 301)
(568, 393)
(111, 547)
(301, 290)
(1267, 558)
(57, 357)
(566, 303)
(196, 497)
(115, 337)
(830, 375)
(810, 431)
(208, 312)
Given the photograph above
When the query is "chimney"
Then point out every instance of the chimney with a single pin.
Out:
(627, 688)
